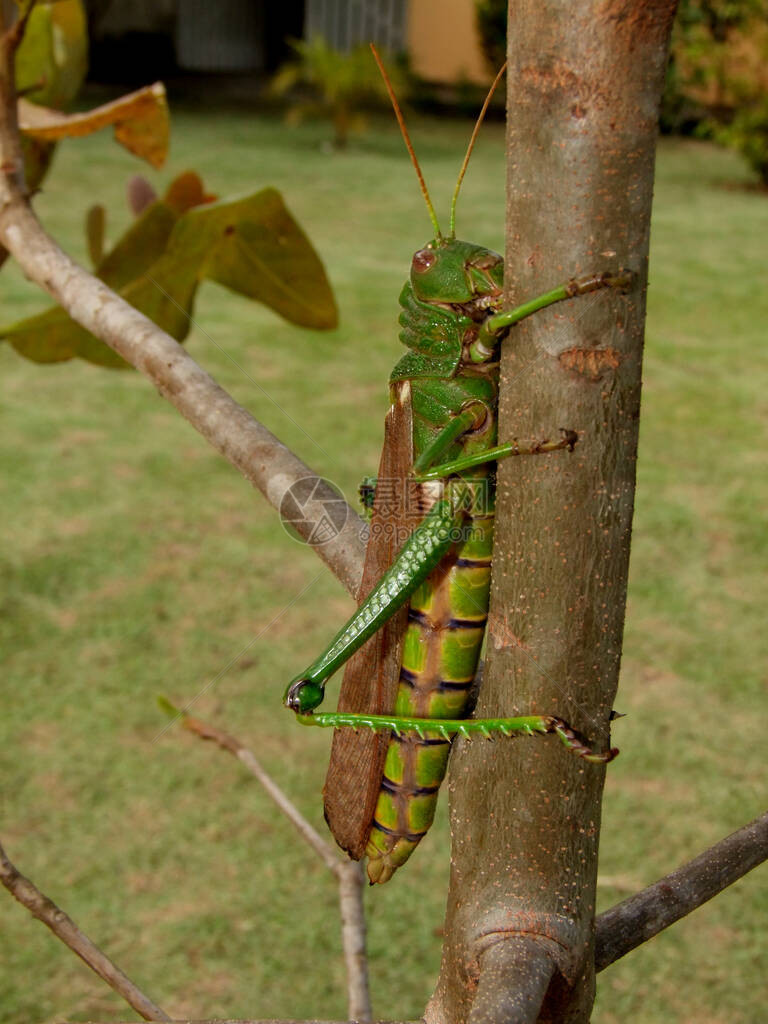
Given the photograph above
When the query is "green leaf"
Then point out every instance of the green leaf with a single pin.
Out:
(37, 160)
(142, 244)
(251, 245)
(256, 248)
(52, 59)
(52, 337)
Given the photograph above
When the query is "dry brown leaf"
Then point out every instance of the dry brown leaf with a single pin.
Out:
(140, 120)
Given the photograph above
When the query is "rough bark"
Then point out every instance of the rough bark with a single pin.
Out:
(584, 84)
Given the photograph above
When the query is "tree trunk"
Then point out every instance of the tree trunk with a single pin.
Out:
(584, 85)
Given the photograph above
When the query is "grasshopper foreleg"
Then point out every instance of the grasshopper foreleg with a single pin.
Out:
(420, 554)
(488, 337)
(502, 451)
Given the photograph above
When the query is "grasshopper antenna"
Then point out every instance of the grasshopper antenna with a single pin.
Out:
(471, 146)
(408, 144)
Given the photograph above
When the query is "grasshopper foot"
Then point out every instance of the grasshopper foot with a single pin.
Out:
(303, 695)
(570, 438)
(576, 743)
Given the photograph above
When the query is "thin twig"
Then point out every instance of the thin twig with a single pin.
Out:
(15, 33)
(64, 928)
(637, 919)
(11, 156)
(352, 883)
(349, 875)
(228, 742)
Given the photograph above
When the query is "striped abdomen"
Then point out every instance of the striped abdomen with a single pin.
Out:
(446, 624)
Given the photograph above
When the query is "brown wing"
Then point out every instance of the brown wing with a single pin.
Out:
(371, 676)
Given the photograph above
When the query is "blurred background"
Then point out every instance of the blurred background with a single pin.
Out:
(136, 562)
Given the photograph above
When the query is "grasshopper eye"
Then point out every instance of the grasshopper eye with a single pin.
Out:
(423, 260)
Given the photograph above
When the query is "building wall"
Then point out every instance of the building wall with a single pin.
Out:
(227, 35)
(349, 23)
(136, 16)
(443, 42)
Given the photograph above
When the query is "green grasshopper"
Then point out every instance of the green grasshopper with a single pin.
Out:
(413, 645)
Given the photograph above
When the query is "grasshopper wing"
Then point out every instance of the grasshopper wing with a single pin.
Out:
(371, 677)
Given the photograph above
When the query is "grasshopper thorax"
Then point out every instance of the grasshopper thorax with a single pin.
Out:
(453, 272)
(454, 287)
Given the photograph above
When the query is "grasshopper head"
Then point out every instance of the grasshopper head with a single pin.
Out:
(454, 272)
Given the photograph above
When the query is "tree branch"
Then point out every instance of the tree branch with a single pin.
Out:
(349, 874)
(637, 919)
(262, 459)
(228, 742)
(583, 88)
(64, 928)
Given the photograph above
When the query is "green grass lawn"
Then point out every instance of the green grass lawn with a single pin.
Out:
(136, 562)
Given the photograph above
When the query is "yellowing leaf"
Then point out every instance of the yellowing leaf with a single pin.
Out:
(140, 121)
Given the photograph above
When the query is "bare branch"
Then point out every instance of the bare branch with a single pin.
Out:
(352, 880)
(258, 454)
(11, 157)
(637, 919)
(348, 874)
(64, 928)
(250, 447)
